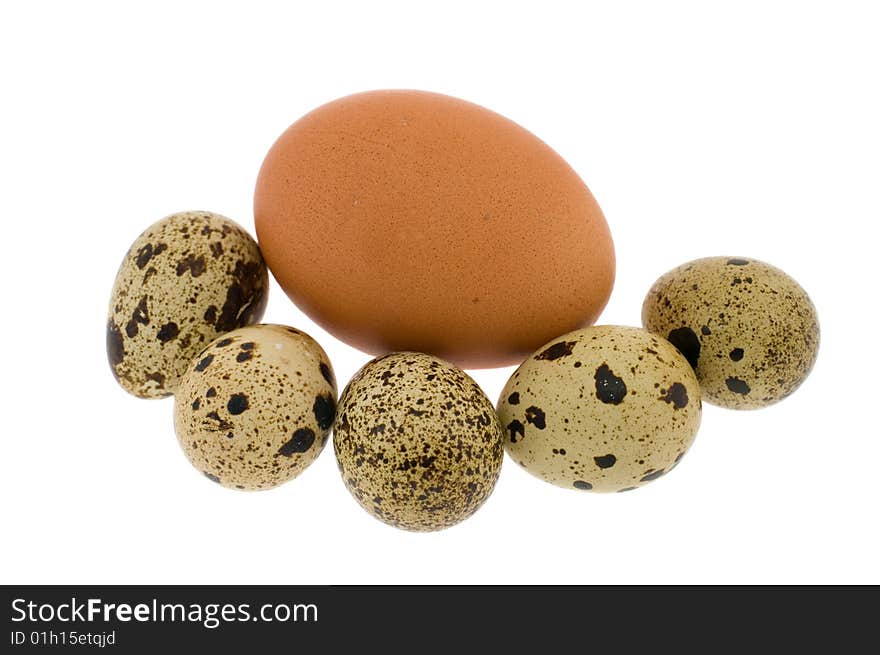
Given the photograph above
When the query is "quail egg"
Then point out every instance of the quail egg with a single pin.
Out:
(255, 407)
(604, 408)
(749, 330)
(417, 441)
(186, 279)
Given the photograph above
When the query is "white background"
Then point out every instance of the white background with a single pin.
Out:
(702, 128)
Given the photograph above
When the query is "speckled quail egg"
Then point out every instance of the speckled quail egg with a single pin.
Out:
(255, 407)
(748, 329)
(417, 441)
(604, 408)
(186, 279)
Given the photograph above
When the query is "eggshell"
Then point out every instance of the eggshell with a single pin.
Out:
(407, 220)
(749, 330)
(606, 408)
(417, 441)
(186, 279)
(255, 408)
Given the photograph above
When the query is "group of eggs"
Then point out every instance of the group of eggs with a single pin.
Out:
(418, 443)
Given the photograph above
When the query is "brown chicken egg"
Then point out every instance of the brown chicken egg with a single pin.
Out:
(407, 220)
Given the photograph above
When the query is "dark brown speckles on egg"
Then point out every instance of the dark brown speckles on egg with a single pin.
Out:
(535, 416)
(139, 316)
(652, 475)
(195, 265)
(327, 374)
(238, 403)
(168, 332)
(557, 350)
(515, 428)
(203, 363)
(737, 386)
(677, 395)
(245, 299)
(300, 442)
(610, 389)
(115, 347)
(324, 410)
(759, 334)
(256, 425)
(417, 453)
(687, 342)
(626, 412)
(168, 293)
(159, 383)
(145, 253)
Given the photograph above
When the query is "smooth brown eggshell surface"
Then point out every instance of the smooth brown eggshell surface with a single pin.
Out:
(407, 220)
